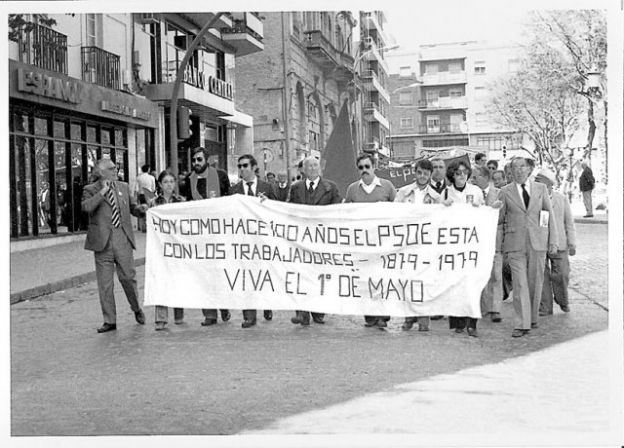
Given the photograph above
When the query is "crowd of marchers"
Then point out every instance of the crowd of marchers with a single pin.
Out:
(535, 234)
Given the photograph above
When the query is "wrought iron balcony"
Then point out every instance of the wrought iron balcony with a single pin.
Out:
(446, 128)
(43, 47)
(444, 103)
(100, 67)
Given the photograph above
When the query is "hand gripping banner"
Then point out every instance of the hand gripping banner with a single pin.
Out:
(382, 258)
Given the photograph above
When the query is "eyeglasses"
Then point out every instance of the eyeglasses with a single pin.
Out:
(242, 165)
(364, 167)
(197, 159)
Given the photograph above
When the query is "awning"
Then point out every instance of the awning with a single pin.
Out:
(239, 118)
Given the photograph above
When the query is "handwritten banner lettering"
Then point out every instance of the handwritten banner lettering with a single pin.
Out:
(394, 259)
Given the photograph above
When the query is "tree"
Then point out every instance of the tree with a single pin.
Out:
(19, 24)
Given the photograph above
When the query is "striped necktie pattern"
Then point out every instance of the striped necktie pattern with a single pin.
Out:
(116, 217)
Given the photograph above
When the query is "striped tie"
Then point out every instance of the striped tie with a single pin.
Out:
(116, 217)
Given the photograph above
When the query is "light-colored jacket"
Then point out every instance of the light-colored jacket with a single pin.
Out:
(564, 222)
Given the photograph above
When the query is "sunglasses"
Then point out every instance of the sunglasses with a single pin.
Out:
(364, 167)
(242, 165)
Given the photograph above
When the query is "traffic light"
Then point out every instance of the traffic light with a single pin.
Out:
(185, 129)
(504, 151)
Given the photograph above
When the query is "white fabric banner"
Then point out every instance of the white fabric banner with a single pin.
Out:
(382, 258)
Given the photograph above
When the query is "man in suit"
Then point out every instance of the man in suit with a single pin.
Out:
(109, 204)
(586, 185)
(282, 188)
(491, 296)
(312, 190)
(557, 271)
(252, 185)
(438, 177)
(206, 182)
(528, 230)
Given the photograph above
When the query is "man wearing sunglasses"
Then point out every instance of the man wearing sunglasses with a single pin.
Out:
(252, 185)
(370, 188)
(206, 182)
(312, 190)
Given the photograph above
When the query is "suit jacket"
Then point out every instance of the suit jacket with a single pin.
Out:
(490, 198)
(516, 223)
(326, 193)
(563, 221)
(262, 187)
(587, 181)
(281, 194)
(100, 212)
(224, 185)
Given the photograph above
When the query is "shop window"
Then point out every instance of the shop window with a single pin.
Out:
(21, 122)
(42, 185)
(41, 126)
(106, 137)
(23, 186)
(59, 129)
(75, 131)
(91, 134)
(121, 138)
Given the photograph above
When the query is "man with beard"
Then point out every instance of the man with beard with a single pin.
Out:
(252, 185)
(370, 188)
(419, 192)
(312, 190)
(206, 182)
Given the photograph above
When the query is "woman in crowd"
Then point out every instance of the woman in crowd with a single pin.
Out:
(166, 195)
(460, 191)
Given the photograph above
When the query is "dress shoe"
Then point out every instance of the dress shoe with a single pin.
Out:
(495, 317)
(225, 315)
(305, 318)
(248, 323)
(370, 323)
(318, 320)
(472, 332)
(517, 333)
(381, 323)
(140, 317)
(107, 327)
(160, 326)
(209, 321)
(268, 315)
(407, 325)
(423, 327)
(534, 325)
(588, 216)
(459, 330)
(295, 320)
(565, 308)
(436, 317)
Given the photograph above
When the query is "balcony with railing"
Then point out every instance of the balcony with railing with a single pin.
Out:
(245, 34)
(373, 112)
(444, 103)
(43, 47)
(371, 82)
(441, 78)
(445, 128)
(323, 52)
(372, 51)
(100, 67)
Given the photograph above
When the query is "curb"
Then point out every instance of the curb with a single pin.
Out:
(591, 221)
(67, 283)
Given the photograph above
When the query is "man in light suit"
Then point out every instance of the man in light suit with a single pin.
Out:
(312, 190)
(557, 271)
(492, 294)
(110, 236)
(252, 185)
(528, 231)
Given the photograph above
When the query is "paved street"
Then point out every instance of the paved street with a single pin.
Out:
(69, 380)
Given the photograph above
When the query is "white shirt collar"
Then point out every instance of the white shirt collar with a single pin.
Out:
(369, 188)
(527, 187)
(254, 185)
(312, 182)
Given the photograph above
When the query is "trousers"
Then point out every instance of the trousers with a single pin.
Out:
(527, 272)
(556, 279)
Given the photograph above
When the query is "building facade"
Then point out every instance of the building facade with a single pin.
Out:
(447, 105)
(90, 86)
(373, 73)
(296, 87)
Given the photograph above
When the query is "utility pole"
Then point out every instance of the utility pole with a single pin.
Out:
(173, 113)
(285, 111)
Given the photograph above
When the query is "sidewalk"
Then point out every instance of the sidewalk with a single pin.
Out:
(36, 272)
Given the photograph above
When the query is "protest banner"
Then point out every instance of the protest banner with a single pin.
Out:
(405, 175)
(382, 258)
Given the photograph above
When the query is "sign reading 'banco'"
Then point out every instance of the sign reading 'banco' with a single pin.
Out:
(213, 85)
(48, 86)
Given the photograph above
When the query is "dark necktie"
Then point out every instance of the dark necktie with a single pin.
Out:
(525, 196)
(311, 188)
(483, 191)
(438, 186)
(249, 190)
(116, 217)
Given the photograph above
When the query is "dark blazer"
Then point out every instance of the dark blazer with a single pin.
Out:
(281, 194)
(224, 185)
(587, 181)
(100, 214)
(326, 193)
(262, 187)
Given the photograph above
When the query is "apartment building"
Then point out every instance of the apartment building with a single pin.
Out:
(87, 86)
(295, 88)
(453, 82)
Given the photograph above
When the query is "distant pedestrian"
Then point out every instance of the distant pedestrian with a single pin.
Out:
(252, 185)
(498, 179)
(460, 191)
(167, 195)
(492, 165)
(145, 191)
(109, 204)
(480, 159)
(438, 178)
(586, 185)
(557, 267)
(206, 182)
(282, 189)
(312, 190)
(270, 178)
(370, 188)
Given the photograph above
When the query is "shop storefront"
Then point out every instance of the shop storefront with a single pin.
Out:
(58, 128)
